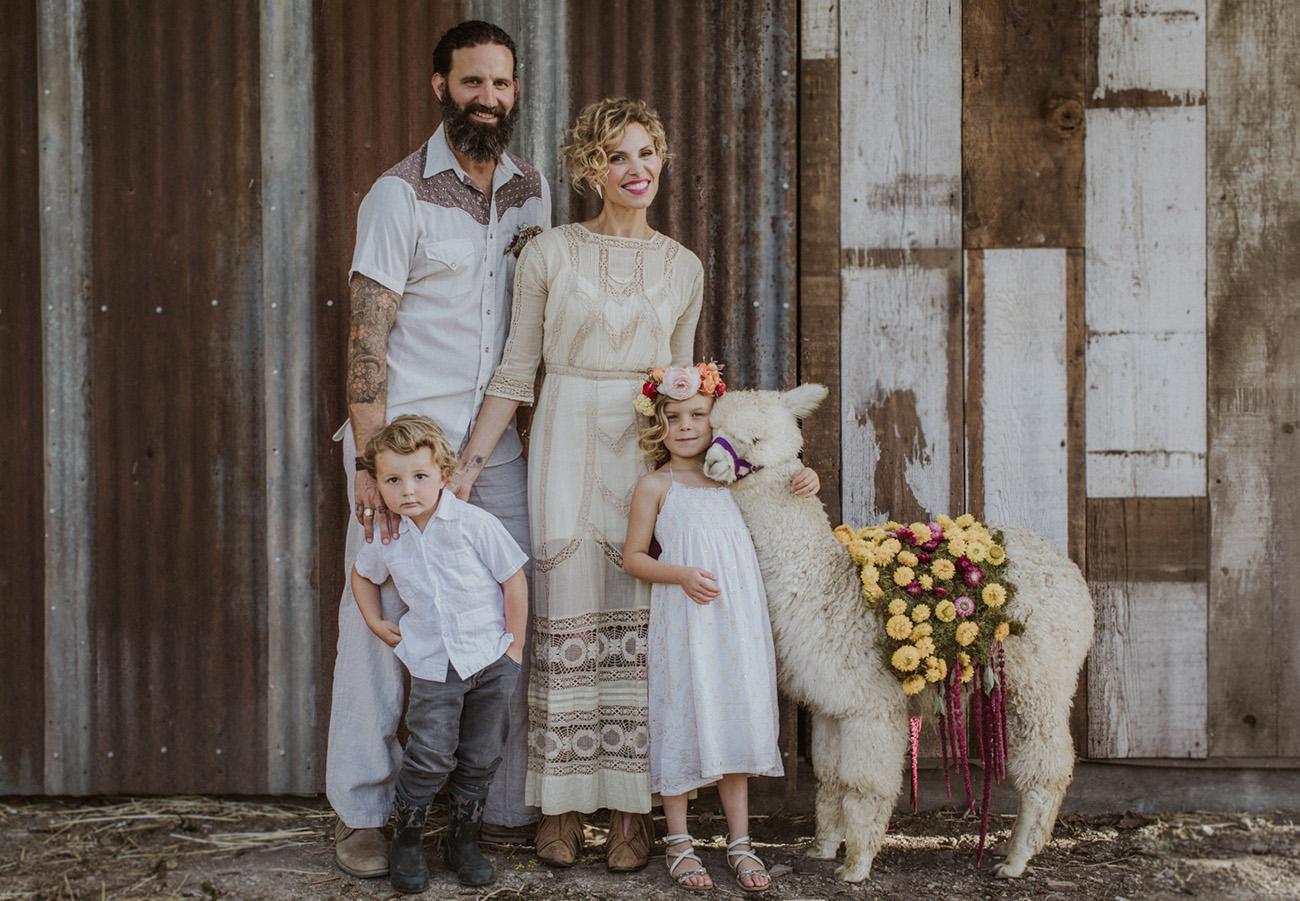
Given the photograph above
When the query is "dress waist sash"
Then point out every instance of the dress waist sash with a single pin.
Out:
(601, 374)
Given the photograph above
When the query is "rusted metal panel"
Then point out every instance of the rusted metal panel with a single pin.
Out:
(179, 624)
(723, 77)
(373, 105)
(22, 555)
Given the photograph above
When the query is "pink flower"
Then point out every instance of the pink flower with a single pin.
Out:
(905, 534)
(680, 383)
(932, 545)
(936, 531)
(973, 576)
(914, 588)
(940, 591)
(924, 557)
(965, 606)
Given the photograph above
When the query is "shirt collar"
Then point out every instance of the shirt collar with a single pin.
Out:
(439, 158)
(447, 510)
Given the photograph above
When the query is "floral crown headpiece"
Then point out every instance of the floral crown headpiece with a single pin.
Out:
(680, 383)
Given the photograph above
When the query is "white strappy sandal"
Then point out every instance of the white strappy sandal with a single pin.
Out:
(674, 858)
(752, 872)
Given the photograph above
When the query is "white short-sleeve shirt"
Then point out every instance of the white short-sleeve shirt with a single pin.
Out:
(449, 576)
(425, 231)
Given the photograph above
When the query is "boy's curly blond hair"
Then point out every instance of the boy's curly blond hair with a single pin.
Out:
(598, 128)
(405, 435)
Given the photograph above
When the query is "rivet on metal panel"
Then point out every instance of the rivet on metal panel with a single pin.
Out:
(274, 304)
(163, 749)
(103, 308)
(329, 303)
(785, 186)
(157, 309)
(785, 73)
(218, 751)
(756, 304)
(215, 301)
(109, 755)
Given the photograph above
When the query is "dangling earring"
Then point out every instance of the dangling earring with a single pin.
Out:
(600, 190)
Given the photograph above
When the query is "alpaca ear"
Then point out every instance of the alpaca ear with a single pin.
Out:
(803, 400)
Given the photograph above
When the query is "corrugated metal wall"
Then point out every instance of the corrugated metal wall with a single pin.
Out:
(22, 561)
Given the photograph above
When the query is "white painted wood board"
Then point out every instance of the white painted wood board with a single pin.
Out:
(895, 352)
(1146, 671)
(1145, 301)
(1024, 392)
(1152, 45)
(819, 28)
(900, 132)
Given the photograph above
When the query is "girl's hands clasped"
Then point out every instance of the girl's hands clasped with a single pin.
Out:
(700, 585)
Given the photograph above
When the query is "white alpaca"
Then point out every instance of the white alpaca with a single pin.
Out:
(829, 660)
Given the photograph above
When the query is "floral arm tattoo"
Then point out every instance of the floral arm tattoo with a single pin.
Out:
(374, 310)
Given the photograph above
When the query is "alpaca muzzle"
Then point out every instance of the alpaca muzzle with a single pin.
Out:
(723, 464)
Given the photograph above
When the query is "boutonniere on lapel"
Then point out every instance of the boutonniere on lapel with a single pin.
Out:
(523, 235)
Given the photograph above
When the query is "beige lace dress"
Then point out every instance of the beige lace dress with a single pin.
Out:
(598, 312)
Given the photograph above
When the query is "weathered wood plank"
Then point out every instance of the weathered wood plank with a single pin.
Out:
(1149, 53)
(1146, 672)
(1076, 455)
(1022, 123)
(819, 238)
(900, 357)
(1145, 302)
(1254, 356)
(900, 90)
(975, 383)
(1148, 539)
(1023, 370)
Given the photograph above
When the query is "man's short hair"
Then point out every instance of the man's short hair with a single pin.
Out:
(405, 435)
(471, 34)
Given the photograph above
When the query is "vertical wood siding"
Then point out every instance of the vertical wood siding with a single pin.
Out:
(1254, 358)
(22, 564)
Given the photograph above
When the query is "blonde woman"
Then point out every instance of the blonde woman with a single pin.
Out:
(599, 303)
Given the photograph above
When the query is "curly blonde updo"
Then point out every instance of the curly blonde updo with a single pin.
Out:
(599, 128)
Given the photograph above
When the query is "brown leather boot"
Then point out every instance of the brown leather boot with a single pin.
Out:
(631, 835)
(360, 852)
(559, 839)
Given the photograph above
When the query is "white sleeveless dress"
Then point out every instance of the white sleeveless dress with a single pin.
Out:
(713, 707)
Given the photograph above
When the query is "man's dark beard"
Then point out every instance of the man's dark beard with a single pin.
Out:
(477, 141)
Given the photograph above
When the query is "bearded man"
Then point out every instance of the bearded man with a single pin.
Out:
(437, 239)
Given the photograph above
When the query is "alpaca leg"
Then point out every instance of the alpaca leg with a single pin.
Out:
(830, 791)
(872, 750)
(1041, 764)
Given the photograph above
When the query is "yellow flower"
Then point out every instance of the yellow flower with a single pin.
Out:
(997, 554)
(965, 521)
(843, 534)
(897, 606)
(869, 575)
(644, 405)
(943, 569)
(976, 552)
(899, 627)
(891, 546)
(935, 669)
(873, 592)
(925, 646)
(861, 552)
(967, 632)
(892, 526)
(906, 659)
(964, 659)
(903, 576)
(921, 531)
(994, 594)
(945, 521)
(871, 533)
(957, 547)
(907, 558)
(920, 630)
(1001, 631)
(926, 580)
(913, 684)
(946, 611)
(920, 613)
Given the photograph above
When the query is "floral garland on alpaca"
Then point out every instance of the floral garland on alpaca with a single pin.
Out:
(680, 383)
(939, 589)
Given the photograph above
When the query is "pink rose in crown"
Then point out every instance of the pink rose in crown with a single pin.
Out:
(680, 383)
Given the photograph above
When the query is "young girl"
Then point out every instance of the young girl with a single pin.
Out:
(713, 709)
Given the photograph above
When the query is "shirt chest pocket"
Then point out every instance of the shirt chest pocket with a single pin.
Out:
(449, 267)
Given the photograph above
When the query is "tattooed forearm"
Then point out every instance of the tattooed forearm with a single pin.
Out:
(374, 309)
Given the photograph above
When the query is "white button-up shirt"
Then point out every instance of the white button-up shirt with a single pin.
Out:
(425, 231)
(449, 577)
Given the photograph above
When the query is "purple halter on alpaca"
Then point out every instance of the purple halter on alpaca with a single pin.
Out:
(742, 466)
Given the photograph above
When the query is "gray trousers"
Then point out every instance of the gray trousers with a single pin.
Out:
(363, 755)
(458, 729)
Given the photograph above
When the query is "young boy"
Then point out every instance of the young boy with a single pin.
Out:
(460, 575)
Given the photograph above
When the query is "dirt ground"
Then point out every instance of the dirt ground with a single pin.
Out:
(160, 848)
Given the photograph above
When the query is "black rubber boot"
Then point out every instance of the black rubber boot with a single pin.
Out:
(407, 870)
(464, 820)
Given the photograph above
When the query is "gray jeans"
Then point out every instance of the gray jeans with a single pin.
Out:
(458, 730)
